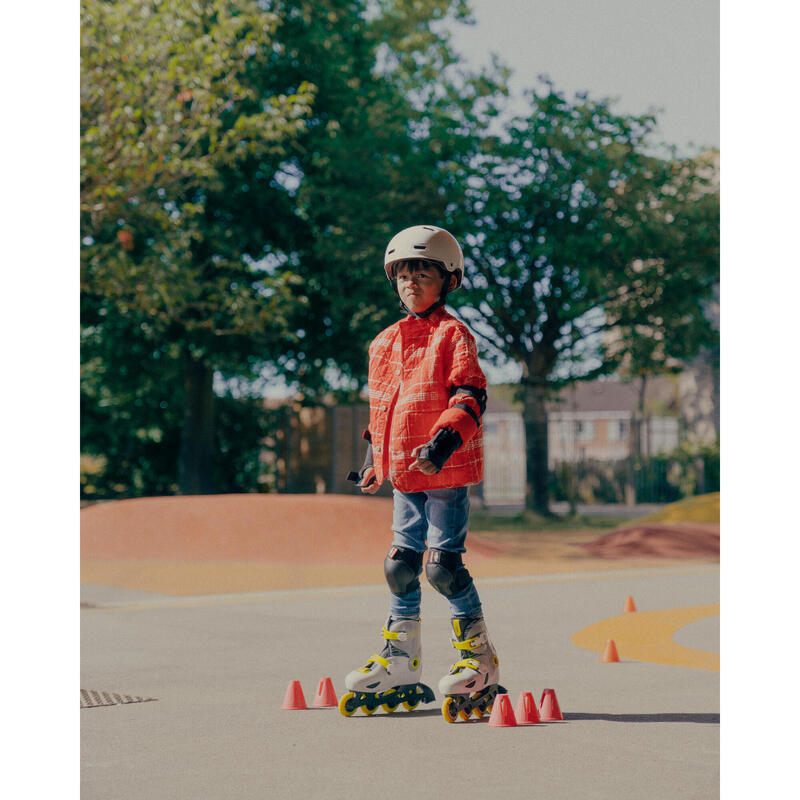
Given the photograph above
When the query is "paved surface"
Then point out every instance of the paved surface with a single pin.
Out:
(219, 665)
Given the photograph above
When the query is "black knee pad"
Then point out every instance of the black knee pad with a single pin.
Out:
(446, 572)
(402, 568)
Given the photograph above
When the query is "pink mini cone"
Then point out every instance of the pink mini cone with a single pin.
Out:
(549, 708)
(525, 711)
(502, 713)
(325, 697)
(294, 699)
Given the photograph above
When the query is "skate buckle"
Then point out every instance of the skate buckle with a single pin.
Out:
(375, 659)
(399, 636)
(469, 644)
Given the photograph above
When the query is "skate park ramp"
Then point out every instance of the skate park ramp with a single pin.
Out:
(213, 544)
(670, 540)
(234, 543)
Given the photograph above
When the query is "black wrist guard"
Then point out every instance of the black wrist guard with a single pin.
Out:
(439, 449)
(357, 477)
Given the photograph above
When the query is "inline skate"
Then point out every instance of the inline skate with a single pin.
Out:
(389, 678)
(471, 685)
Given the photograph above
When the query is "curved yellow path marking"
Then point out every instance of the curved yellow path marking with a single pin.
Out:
(647, 636)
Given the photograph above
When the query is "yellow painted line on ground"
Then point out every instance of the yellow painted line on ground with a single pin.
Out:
(647, 636)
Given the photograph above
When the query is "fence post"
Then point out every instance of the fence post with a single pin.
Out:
(332, 415)
(700, 470)
(634, 444)
(288, 443)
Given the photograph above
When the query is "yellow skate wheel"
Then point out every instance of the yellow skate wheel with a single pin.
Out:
(448, 712)
(478, 712)
(346, 706)
(368, 711)
(410, 704)
(389, 707)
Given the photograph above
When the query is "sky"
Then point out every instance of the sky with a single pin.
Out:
(662, 54)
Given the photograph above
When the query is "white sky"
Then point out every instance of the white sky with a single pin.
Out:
(661, 54)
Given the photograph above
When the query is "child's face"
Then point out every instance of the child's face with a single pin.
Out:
(419, 288)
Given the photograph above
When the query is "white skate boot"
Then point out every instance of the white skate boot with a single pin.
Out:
(390, 677)
(471, 685)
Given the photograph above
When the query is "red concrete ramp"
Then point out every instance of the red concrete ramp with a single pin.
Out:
(659, 540)
(294, 529)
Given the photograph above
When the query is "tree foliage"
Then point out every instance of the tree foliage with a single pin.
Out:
(663, 314)
(390, 123)
(172, 111)
(242, 167)
(572, 230)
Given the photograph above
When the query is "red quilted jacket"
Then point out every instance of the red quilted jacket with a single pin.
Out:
(415, 366)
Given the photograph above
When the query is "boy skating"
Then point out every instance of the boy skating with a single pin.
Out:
(427, 394)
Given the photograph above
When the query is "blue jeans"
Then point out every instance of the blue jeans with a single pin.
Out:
(438, 517)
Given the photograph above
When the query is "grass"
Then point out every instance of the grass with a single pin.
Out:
(703, 508)
(530, 521)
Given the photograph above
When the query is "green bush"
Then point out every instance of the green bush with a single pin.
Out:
(660, 479)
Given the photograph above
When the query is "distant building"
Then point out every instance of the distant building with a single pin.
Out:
(594, 420)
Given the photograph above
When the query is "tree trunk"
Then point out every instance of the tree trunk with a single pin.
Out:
(196, 455)
(635, 439)
(537, 473)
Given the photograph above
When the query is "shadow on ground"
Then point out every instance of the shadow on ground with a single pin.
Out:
(707, 719)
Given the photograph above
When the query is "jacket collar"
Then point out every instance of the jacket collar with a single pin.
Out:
(434, 317)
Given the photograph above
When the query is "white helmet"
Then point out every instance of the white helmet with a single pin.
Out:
(428, 242)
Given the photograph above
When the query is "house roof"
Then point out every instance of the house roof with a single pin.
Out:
(596, 396)
(613, 395)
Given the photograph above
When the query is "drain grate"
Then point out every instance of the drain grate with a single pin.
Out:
(92, 699)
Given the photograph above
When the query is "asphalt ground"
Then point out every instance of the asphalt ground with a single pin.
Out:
(218, 665)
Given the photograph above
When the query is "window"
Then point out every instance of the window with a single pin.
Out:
(564, 430)
(585, 430)
(618, 430)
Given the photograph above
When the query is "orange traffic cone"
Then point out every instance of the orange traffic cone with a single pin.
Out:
(629, 605)
(549, 708)
(610, 654)
(502, 714)
(294, 700)
(525, 711)
(325, 697)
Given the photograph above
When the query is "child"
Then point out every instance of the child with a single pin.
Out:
(427, 394)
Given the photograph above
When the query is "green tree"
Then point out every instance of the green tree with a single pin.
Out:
(170, 107)
(663, 315)
(394, 116)
(569, 233)
(241, 173)
(683, 255)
